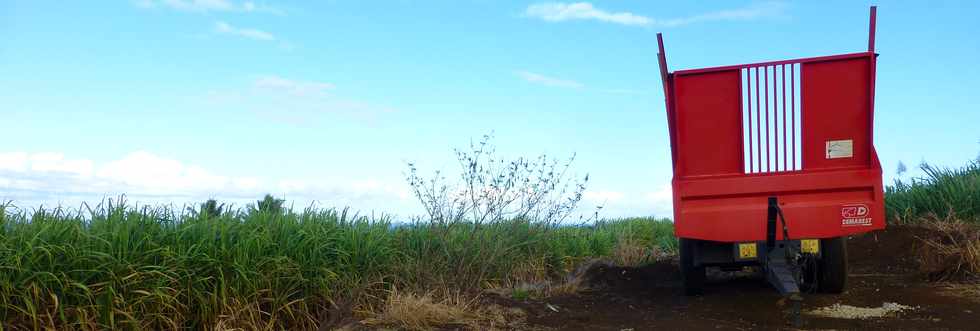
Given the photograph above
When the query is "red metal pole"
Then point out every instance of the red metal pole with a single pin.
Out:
(767, 119)
(665, 80)
(662, 60)
(873, 69)
(871, 29)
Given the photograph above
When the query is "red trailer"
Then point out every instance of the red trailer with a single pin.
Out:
(774, 165)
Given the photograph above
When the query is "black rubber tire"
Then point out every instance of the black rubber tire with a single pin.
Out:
(810, 277)
(691, 276)
(833, 265)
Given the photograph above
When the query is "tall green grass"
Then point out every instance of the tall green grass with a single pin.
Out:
(117, 266)
(942, 192)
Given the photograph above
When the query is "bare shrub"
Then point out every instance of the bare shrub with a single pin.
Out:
(421, 312)
(484, 224)
(492, 189)
(630, 252)
(251, 315)
(951, 250)
(412, 311)
(529, 271)
(965, 290)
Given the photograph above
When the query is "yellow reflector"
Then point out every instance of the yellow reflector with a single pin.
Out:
(747, 251)
(810, 246)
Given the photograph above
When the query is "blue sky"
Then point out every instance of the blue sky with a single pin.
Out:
(180, 100)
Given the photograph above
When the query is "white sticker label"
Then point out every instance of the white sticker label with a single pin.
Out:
(837, 149)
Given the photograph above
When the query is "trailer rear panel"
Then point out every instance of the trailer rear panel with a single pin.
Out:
(799, 130)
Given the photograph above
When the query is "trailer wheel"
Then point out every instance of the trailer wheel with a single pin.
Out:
(692, 276)
(833, 265)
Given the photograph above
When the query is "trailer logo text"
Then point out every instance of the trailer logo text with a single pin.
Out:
(855, 215)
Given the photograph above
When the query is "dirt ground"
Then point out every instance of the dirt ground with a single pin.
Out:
(882, 271)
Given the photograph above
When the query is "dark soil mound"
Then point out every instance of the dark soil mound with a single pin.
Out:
(632, 279)
(892, 250)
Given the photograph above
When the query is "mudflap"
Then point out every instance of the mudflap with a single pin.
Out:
(781, 261)
(781, 273)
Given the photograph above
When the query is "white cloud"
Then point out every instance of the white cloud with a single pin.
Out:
(297, 102)
(16, 161)
(50, 178)
(56, 162)
(626, 203)
(203, 6)
(374, 186)
(560, 12)
(146, 171)
(660, 202)
(349, 190)
(245, 183)
(189, 5)
(623, 91)
(549, 81)
(601, 197)
(138, 172)
(664, 197)
(20, 162)
(225, 28)
(537, 78)
(31, 179)
(761, 10)
(294, 87)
